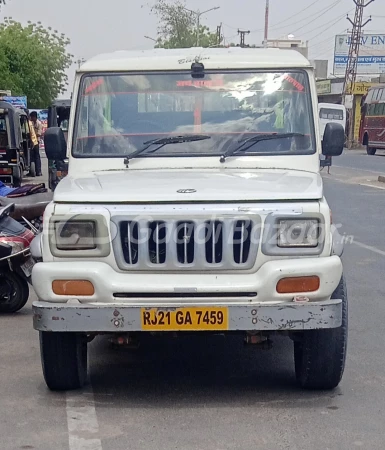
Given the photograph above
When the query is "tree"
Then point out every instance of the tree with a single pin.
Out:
(177, 27)
(33, 61)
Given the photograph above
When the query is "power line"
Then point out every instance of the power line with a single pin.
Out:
(312, 21)
(317, 13)
(327, 28)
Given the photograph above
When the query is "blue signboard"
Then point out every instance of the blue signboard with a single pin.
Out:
(17, 102)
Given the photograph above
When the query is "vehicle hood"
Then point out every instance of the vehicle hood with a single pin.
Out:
(176, 186)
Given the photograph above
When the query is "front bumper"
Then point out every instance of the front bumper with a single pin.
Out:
(120, 318)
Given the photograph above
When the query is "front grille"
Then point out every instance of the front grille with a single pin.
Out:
(175, 245)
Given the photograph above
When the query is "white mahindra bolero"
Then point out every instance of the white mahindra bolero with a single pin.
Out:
(193, 202)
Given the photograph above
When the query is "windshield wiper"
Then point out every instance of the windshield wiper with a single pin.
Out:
(165, 141)
(254, 140)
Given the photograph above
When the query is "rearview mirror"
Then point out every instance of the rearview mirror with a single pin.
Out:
(55, 144)
(334, 139)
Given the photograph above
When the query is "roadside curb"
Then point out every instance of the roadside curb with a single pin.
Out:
(381, 179)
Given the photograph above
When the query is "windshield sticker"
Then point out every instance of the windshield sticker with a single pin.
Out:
(294, 82)
(94, 85)
(199, 83)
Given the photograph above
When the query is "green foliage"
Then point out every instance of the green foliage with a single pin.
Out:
(33, 61)
(177, 27)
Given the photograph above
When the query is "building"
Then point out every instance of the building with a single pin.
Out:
(289, 43)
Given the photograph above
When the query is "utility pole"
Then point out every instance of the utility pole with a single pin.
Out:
(219, 34)
(267, 12)
(352, 63)
(242, 34)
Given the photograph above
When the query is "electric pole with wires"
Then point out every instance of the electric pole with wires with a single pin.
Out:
(219, 35)
(352, 63)
(242, 35)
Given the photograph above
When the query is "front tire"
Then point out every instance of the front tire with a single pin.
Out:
(14, 292)
(370, 150)
(64, 360)
(32, 170)
(320, 355)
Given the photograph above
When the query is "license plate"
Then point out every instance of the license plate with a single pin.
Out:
(185, 319)
(27, 267)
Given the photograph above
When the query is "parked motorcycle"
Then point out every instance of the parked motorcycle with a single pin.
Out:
(16, 262)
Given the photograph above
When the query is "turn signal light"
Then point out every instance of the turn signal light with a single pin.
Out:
(297, 285)
(80, 288)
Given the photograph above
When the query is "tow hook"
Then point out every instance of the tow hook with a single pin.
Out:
(258, 340)
(125, 341)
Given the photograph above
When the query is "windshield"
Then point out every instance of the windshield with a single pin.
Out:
(331, 114)
(119, 113)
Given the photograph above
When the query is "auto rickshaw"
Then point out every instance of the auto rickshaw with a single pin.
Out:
(58, 116)
(15, 145)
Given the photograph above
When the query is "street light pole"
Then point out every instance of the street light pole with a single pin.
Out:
(198, 16)
(150, 38)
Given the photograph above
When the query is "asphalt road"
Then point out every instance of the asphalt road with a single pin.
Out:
(359, 160)
(214, 393)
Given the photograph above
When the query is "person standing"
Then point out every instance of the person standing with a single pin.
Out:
(35, 154)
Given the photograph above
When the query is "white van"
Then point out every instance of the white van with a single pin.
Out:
(331, 112)
(193, 203)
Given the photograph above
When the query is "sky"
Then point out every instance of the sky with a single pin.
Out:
(97, 26)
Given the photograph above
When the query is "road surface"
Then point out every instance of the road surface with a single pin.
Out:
(211, 393)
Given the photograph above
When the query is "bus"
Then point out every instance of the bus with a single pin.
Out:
(372, 127)
(330, 112)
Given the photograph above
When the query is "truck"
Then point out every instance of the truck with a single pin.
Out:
(193, 204)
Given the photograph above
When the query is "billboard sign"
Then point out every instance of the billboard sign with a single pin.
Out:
(324, 87)
(371, 59)
(17, 102)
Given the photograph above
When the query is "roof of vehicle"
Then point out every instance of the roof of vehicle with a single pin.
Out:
(10, 107)
(62, 103)
(331, 105)
(181, 59)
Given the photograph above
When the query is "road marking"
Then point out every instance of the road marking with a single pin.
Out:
(369, 247)
(83, 427)
(371, 186)
(358, 170)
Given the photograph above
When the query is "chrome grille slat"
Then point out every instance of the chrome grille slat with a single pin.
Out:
(185, 244)
(157, 243)
(213, 237)
(242, 243)
(129, 241)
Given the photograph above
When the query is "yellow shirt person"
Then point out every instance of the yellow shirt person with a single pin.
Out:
(33, 134)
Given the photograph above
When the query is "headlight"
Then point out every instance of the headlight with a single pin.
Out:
(75, 235)
(298, 233)
(17, 247)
